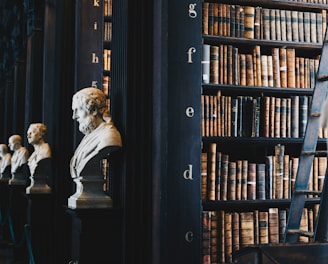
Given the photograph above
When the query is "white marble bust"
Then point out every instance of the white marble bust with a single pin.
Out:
(5, 158)
(20, 153)
(101, 137)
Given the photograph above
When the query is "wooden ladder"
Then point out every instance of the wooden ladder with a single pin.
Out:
(309, 150)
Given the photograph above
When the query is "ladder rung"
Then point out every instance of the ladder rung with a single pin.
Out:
(316, 114)
(322, 77)
(301, 232)
(307, 152)
(307, 192)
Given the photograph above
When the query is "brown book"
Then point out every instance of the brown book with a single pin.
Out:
(283, 117)
(211, 171)
(229, 64)
(283, 67)
(289, 29)
(256, 227)
(269, 176)
(300, 26)
(205, 17)
(273, 24)
(246, 229)
(207, 115)
(272, 116)
(277, 24)
(322, 166)
(260, 181)
(221, 64)
(294, 18)
(304, 226)
(214, 64)
(244, 176)
(238, 10)
(220, 20)
(263, 227)
(204, 175)
(283, 25)
(276, 67)
(315, 174)
(251, 181)
(273, 226)
(286, 179)
(218, 114)
(249, 21)
(211, 19)
(214, 237)
(222, 114)
(239, 168)
(232, 21)
(297, 72)
(310, 182)
(243, 74)
(235, 61)
(277, 116)
(257, 55)
(235, 232)
(228, 236)
(203, 114)
(257, 23)
(270, 70)
(249, 70)
(295, 162)
(279, 170)
(228, 20)
(221, 236)
(232, 180)
(307, 26)
(264, 70)
(228, 116)
(215, 19)
(206, 237)
(266, 23)
(266, 116)
(224, 176)
(224, 19)
(290, 53)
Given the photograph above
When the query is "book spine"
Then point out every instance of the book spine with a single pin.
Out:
(273, 226)
(273, 24)
(232, 180)
(206, 63)
(303, 111)
(205, 17)
(239, 169)
(283, 25)
(294, 22)
(235, 232)
(224, 176)
(282, 224)
(218, 175)
(244, 179)
(206, 237)
(228, 236)
(283, 117)
(276, 67)
(300, 26)
(260, 181)
(283, 67)
(289, 29)
(211, 171)
(251, 181)
(307, 26)
(286, 179)
(214, 237)
(214, 65)
(313, 27)
(266, 23)
(290, 54)
(249, 22)
(246, 229)
(263, 228)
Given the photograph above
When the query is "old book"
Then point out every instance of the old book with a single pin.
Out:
(214, 237)
(206, 63)
(239, 169)
(290, 53)
(235, 232)
(270, 70)
(307, 26)
(322, 166)
(269, 172)
(257, 56)
(224, 176)
(286, 178)
(303, 111)
(244, 176)
(220, 20)
(283, 67)
(207, 115)
(234, 117)
(300, 26)
(240, 115)
(257, 22)
(256, 227)
(264, 72)
(203, 114)
(211, 171)
(272, 116)
(246, 229)
(221, 236)
(302, 72)
(289, 118)
(266, 116)
(214, 64)
(277, 116)
(235, 67)
(315, 185)
(273, 24)
(204, 175)
(294, 18)
(224, 20)
(218, 175)
(289, 29)
(297, 72)
(310, 222)
(218, 114)
(294, 165)
(273, 226)
(213, 116)
(251, 181)
(222, 114)
(242, 73)
(238, 10)
(230, 64)
(304, 225)
(276, 67)
(249, 21)
(283, 117)
(228, 116)
(232, 21)
(215, 7)
(206, 237)
(279, 170)
(205, 17)
(228, 236)
(313, 27)
(221, 63)
(324, 24)
(249, 70)
(283, 25)
(232, 180)
(266, 23)
(260, 181)
(211, 18)
(256, 116)
(282, 224)
(277, 24)
(263, 227)
(306, 73)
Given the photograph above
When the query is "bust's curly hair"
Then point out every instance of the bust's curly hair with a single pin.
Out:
(93, 99)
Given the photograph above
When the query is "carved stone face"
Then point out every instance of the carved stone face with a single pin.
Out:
(33, 135)
(87, 122)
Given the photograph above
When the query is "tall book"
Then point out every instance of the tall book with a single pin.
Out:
(286, 178)
(260, 181)
(266, 23)
(242, 69)
(251, 181)
(294, 168)
(244, 176)
(205, 17)
(206, 237)
(256, 227)
(257, 23)
(266, 116)
(270, 70)
(234, 117)
(283, 67)
(221, 236)
(295, 116)
(283, 25)
(313, 27)
(211, 166)
(269, 174)
(218, 175)
(300, 26)
(232, 180)
(249, 70)
(279, 170)
(272, 112)
(239, 169)
(303, 111)
(289, 29)
(249, 12)
(322, 166)
(264, 72)
(263, 227)
(273, 226)
(282, 224)
(232, 21)
(214, 64)
(294, 21)
(228, 236)
(214, 237)
(246, 229)
(277, 116)
(235, 232)
(257, 60)
(290, 53)
(278, 24)
(283, 117)
(289, 118)
(276, 67)
(224, 176)
(215, 7)
(204, 175)
(307, 26)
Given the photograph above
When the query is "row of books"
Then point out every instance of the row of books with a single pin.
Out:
(108, 7)
(226, 179)
(263, 23)
(107, 59)
(107, 31)
(225, 64)
(226, 232)
(256, 116)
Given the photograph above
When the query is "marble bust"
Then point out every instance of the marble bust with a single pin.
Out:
(39, 161)
(101, 137)
(19, 159)
(5, 163)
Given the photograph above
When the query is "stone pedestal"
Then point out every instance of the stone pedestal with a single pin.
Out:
(39, 180)
(96, 236)
(40, 220)
(20, 176)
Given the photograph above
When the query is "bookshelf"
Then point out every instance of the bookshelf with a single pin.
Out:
(258, 68)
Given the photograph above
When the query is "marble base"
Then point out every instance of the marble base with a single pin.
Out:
(38, 186)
